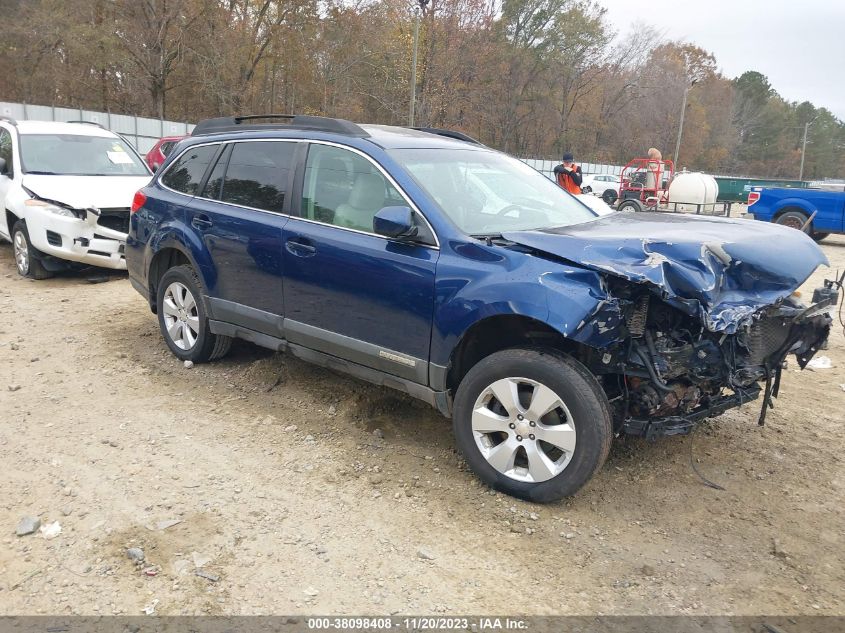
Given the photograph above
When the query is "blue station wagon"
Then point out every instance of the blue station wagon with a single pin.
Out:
(429, 263)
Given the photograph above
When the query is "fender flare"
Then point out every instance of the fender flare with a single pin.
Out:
(173, 236)
(793, 203)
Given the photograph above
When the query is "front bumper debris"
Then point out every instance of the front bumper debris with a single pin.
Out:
(683, 425)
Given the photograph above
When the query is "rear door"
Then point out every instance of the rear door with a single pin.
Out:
(349, 292)
(240, 215)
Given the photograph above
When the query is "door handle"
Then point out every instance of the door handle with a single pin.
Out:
(300, 246)
(201, 221)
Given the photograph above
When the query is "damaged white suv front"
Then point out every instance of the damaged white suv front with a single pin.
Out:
(66, 190)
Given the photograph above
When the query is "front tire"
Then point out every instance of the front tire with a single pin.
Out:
(532, 423)
(183, 320)
(27, 257)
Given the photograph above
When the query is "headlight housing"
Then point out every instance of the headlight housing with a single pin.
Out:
(65, 212)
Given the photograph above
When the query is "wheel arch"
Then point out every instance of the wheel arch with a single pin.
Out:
(798, 206)
(167, 256)
(504, 331)
(11, 218)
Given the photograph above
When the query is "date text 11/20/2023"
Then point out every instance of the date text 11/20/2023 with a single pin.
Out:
(417, 624)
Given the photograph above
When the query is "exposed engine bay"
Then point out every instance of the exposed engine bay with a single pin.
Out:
(671, 372)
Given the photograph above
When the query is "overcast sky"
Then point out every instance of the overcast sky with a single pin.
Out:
(799, 46)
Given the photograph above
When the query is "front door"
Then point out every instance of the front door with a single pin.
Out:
(7, 154)
(349, 292)
(240, 216)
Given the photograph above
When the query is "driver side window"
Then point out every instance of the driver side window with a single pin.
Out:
(345, 189)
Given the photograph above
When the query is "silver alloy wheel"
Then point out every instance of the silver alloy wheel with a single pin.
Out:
(21, 253)
(523, 429)
(181, 318)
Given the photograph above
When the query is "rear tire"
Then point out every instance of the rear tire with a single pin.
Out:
(587, 189)
(27, 257)
(183, 320)
(532, 423)
(792, 219)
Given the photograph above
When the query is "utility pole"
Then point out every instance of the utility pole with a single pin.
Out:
(414, 69)
(803, 151)
(681, 125)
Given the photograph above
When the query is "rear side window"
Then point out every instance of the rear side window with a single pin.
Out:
(214, 185)
(186, 173)
(166, 147)
(258, 174)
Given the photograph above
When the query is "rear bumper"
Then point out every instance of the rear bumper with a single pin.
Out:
(76, 240)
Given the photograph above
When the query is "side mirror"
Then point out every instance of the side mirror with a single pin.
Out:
(4, 168)
(395, 222)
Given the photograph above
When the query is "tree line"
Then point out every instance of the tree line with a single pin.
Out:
(531, 77)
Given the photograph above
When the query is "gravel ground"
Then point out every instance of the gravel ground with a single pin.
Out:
(260, 485)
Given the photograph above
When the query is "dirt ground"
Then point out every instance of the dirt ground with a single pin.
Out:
(300, 491)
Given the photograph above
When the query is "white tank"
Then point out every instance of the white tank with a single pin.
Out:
(693, 188)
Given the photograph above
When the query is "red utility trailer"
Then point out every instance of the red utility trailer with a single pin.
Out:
(645, 187)
(645, 184)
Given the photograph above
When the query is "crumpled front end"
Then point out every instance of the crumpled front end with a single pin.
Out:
(90, 236)
(723, 271)
(697, 315)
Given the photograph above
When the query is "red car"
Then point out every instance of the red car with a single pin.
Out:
(155, 157)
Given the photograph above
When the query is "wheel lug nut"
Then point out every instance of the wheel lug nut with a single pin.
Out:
(512, 425)
(532, 424)
(518, 438)
(531, 437)
(519, 417)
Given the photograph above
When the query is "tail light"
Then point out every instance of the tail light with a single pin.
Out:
(753, 197)
(138, 201)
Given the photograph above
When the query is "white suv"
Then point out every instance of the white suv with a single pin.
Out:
(65, 191)
(597, 184)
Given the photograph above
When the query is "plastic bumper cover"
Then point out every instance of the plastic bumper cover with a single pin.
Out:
(76, 240)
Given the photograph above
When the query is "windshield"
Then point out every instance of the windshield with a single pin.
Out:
(79, 155)
(487, 193)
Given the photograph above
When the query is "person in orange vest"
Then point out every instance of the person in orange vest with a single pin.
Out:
(569, 174)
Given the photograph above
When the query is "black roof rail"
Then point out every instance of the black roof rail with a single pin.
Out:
(9, 120)
(87, 123)
(459, 136)
(289, 121)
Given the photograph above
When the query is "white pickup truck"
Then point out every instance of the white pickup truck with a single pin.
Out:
(65, 192)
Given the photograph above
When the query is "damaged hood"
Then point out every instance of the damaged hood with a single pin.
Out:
(82, 192)
(723, 270)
